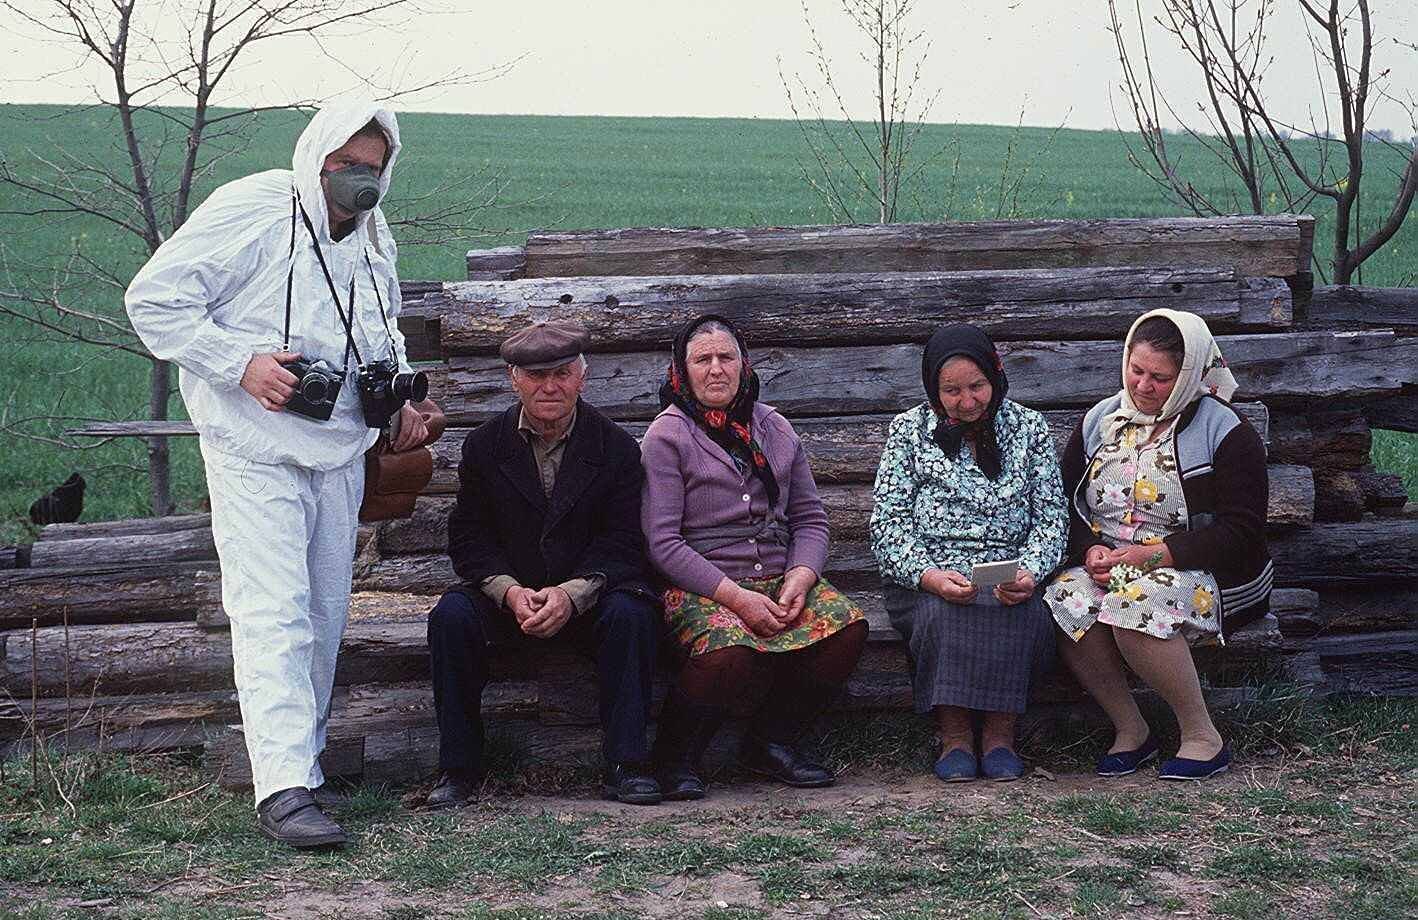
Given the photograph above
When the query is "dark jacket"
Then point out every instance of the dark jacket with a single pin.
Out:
(1221, 459)
(503, 523)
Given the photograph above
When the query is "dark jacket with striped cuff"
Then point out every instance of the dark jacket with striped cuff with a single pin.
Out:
(1226, 487)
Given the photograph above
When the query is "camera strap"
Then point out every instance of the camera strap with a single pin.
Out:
(350, 345)
(290, 276)
(383, 317)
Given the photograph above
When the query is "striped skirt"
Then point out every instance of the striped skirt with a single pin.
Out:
(979, 656)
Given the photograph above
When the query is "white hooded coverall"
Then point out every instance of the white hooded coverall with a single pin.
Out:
(285, 489)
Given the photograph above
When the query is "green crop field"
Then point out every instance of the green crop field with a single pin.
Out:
(552, 172)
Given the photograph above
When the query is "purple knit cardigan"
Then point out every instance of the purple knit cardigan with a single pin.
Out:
(691, 481)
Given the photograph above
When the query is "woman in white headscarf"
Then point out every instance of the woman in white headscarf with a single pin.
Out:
(1167, 487)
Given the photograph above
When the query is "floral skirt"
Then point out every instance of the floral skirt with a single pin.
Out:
(701, 625)
(1161, 603)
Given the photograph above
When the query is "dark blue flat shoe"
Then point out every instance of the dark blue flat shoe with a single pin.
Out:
(958, 766)
(1002, 765)
(1186, 768)
(1122, 763)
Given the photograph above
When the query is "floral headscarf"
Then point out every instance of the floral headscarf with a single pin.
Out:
(731, 427)
(1203, 372)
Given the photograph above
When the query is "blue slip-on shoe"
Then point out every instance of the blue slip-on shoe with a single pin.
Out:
(1002, 765)
(1186, 768)
(1121, 763)
(958, 766)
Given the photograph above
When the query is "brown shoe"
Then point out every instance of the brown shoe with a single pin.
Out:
(292, 817)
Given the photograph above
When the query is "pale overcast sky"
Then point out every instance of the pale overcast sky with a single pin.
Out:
(1053, 60)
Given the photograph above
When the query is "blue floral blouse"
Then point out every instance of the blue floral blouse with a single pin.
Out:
(932, 512)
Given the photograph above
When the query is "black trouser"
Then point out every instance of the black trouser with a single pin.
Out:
(621, 633)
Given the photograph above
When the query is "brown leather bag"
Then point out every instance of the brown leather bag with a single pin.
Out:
(393, 481)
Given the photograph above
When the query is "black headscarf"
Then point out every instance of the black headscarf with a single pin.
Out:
(963, 339)
(732, 427)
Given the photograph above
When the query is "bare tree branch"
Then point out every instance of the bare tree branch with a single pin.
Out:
(165, 67)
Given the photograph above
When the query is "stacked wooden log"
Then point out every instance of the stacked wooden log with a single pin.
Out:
(127, 615)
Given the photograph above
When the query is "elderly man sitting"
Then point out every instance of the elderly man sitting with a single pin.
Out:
(546, 539)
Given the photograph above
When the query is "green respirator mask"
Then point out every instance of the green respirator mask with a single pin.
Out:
(354, 188)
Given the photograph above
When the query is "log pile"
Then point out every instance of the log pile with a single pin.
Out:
(117, 630)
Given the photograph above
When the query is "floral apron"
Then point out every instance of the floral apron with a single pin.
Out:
(701, 625)
(1135, 494)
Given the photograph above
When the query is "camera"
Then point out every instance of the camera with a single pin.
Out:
(316, 389)
(382, 390)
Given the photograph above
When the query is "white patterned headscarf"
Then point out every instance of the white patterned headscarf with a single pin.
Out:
(1203, 372)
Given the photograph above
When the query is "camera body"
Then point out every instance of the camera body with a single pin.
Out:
(317, 387)
(383, 390)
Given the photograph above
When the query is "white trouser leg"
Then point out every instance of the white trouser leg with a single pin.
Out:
(329, 560)
(264, 519)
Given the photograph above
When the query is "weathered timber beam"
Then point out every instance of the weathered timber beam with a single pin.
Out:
(133, 429)
(173, 523)
(1396, 413)
(111, 549)
(841, 449)
(1374, 551)
(502, 262)
(1325, 439)
(848, 505)
(1377, 663)
(107, 714)
(132, 549)
(1251, 246)
(113, 593)
(859, 380)
(151, 657)
(640, 314)
(1348, 307)
(1342, 610)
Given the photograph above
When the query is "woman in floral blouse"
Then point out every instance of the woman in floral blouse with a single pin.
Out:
(969, 477)
(1168, 491)
(734, 524)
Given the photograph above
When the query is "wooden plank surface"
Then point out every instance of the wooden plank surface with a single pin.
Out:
(840, 449)
(864, 380)
(640, 313)
(1374, 551)
(848, 506)
(1252, 246)
(151, 657)
(1346, 306)
(132, 549)
(113, 593)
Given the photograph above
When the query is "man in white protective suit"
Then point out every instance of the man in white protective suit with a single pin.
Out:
(272, 273)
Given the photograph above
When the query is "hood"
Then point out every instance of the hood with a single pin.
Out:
(326, 133)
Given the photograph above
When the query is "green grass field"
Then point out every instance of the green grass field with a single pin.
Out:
(556, 172)
(1319, 819)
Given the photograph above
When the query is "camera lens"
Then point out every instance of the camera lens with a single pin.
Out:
(412, 387)
(314, 388)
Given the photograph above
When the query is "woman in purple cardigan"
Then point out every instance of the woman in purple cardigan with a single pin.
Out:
(734, 524)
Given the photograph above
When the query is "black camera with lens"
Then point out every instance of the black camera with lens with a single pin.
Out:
(383, 390)
(317, 387)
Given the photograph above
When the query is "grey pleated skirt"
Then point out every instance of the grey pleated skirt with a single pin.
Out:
(977, 656)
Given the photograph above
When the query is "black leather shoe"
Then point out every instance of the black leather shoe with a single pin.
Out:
(630, 783)
(680, 782)
(455, 788)
(684, 734)
(328, 799)
(786, 765)
(292, 817)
